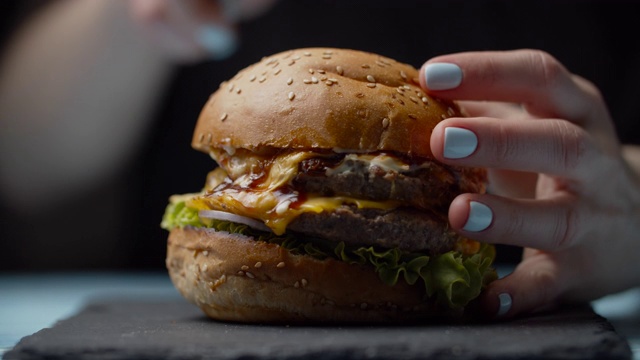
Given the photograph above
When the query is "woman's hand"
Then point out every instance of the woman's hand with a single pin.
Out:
(558, 183)
(193, 30)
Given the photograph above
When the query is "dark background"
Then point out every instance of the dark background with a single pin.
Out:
(116, 225)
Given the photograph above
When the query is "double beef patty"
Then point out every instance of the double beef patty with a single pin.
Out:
(419, 224)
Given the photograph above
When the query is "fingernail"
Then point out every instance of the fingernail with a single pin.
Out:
(505, 304)
(220, 42)
(442, 76)
(459, 143)
(480, 217)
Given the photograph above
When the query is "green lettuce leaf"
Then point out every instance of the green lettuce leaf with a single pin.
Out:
(452, 278)
(179, 215)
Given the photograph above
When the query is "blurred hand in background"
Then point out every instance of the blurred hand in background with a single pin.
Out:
(80, 79)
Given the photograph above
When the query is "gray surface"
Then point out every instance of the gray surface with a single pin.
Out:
(174, 329)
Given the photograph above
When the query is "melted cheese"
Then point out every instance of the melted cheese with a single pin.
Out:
(382, 161)
(258, 187)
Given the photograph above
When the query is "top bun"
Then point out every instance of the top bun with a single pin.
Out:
(322, 99)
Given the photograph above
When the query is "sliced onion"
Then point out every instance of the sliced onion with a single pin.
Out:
(222, 215)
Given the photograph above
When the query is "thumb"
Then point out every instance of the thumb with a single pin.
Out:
(534, 284)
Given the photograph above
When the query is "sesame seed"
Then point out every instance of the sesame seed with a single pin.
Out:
(400, 91)
(205, 253)
(306, 53)
(329, 82)
(323, 78)
(252, 78)
(244, 267)
(403, 75)
(204, 267)
(371, 85)
(320, 71)
(443, 116)
(326, 57)
(385, 123)
(415, 100)
(340, 70)
(306, 81)
(328, 52)
(258, 265)
(223, 278)
(280, 265)
(370, 78)
(297, 284)
(250, 275)
(297, 57)
(241, 273)
(202, 137)
(209, 136)
(291, 95)
(262, 79)
(406, 87)
(238, 91)
(277, 71)
(311, 71)
(304, 282)
(365, 66)
(360, 95)
(400, 101)
(412, 116)
(292, 62)
(425, 100)
(333, 80)
(289, 81)
(231, 87)
(314, 79)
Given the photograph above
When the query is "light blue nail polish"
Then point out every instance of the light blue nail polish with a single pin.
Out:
(505, 304)
(442, 76)
(480, 217)
(459, 143)
(220, 42)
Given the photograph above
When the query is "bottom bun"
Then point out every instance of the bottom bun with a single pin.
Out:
(232, 277)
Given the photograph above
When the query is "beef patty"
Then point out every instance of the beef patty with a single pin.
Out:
(429, 186)
(405, 228)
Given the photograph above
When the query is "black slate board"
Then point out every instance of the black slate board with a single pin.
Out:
(128, 329)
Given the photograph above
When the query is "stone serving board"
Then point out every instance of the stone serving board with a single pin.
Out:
(175, 329)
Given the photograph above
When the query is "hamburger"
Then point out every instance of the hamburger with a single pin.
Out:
(326, 204)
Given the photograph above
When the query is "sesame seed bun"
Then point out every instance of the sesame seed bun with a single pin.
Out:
(235, 278)
(333, 98)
